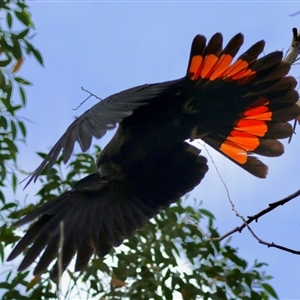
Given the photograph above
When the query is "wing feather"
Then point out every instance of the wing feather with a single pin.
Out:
(101, 117)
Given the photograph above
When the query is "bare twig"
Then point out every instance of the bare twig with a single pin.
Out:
(293, 51)
(60, 257)
(91, 95)
(292, 57)
(193, 222)
(231, 202)
(255, 217)
(294, 14)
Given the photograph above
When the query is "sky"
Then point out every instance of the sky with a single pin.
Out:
(107, 47)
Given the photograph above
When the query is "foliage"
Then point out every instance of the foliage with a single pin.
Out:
(168, 258)
(15, 29)
(15, 45)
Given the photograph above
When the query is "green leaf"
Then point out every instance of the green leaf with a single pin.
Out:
(2, 172)
(270, 290)
(2, 251)
(259, 265)
(16, 49)
(13, 129)
(23, 95)
(23, 33)
(22, 128)
(11, 147)
(8, 206)
(22, 81)
(41, 154)
(3, 122)
(38, 56)
(14, 181)
(207, 213)
(4, 5)
(9, 20)
(2, 198)
(2, 80)
(13, 109)
(21, 5)
(6, 62)
(23, 17)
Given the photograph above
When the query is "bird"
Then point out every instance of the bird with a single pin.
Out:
(241, 107)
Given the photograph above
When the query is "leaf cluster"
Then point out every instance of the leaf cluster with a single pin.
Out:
(15, 45)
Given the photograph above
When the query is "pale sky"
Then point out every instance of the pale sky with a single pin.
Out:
(106, 47)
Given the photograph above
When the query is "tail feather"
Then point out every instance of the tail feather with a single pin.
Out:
(269, 147)
(279, 72)
(269, 62)
(250, 56)
(238, 155)
(267, 88)
(252, 98)
(289, 97)
(211, 62)
(278, 130)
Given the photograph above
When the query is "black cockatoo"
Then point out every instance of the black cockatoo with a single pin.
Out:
(239, 107)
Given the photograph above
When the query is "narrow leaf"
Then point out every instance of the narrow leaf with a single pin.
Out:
(38, 56)
(23, 95)
(22, 81)
(22, 17)
(3, 122)
(9, 20)
(6, 62)
(270, 290)
(13, 128)
(14, 181)
(23, 33)
(22, 128)
(16, 49)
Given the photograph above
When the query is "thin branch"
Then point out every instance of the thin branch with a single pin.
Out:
(293, 51)
(292, 57)
(294, 14)
(255, 217)
(193, 222)
(60, 258)
(91, 95)
(231, 202)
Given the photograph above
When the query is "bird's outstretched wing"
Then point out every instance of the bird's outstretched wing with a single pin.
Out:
(100, 212)
(103, 116)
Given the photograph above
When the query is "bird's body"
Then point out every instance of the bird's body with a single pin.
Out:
(239, 108)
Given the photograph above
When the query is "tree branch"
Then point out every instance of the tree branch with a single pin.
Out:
(255, 217)
(293, 51)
